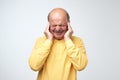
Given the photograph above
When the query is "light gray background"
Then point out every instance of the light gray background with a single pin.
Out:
(97, 22)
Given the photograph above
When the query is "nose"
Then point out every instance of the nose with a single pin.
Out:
(57, 27)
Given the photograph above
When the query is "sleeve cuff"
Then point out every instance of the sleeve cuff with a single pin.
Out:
(69, 43)
(48, 43)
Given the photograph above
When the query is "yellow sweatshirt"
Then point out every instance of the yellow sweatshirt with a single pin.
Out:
(58, 59)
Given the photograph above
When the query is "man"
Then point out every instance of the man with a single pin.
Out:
(58, 55)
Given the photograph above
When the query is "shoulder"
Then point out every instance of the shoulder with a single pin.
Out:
(77, 40)
(41, 39)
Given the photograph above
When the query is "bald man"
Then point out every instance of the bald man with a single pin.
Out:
(58, 55)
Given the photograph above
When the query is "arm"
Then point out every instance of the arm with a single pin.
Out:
(77, 54)
(41, 51)
(39, 54)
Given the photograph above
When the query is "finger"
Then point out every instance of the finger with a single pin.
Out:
(47, 28)
(69, 26)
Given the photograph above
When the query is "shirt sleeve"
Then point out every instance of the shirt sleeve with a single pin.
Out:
(77, 54)
(39, 54)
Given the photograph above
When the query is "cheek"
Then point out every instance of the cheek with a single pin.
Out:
(51, 29)
(65, 28)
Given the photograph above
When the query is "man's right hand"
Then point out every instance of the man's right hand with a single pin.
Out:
(47, 33)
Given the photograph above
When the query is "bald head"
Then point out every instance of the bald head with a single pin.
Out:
(59, 12)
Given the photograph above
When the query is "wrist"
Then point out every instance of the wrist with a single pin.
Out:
(51, 39)
(67, 38)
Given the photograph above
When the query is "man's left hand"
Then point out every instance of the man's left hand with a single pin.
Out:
(69, 33)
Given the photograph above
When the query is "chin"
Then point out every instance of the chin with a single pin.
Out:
(58, 38)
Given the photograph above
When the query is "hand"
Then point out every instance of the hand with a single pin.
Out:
(69, 33)
(47, 33)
